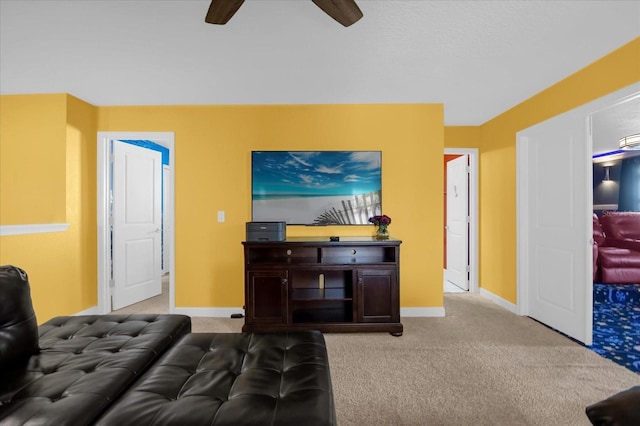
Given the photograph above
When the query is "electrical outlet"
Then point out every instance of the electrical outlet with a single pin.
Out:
(221, 216)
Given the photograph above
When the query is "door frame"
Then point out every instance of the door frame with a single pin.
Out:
(522, 191)
(165, 139)
(167, 201)
(474, 286)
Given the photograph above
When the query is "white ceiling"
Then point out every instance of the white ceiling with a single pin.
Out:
(611, 124)
(479, 58)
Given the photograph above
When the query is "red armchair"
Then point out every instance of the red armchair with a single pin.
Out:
(616, 236)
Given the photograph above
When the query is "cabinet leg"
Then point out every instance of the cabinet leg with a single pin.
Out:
(396, 333)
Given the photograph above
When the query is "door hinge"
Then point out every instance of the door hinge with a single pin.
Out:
(468, 268)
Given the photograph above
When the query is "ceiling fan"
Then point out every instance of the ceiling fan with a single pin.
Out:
(346, 12)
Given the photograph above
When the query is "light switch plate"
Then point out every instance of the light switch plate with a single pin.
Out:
(221, 216)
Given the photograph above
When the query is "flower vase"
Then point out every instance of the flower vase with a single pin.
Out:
(382, 233)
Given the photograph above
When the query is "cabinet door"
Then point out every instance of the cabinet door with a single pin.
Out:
(378, 295)
(266, 301)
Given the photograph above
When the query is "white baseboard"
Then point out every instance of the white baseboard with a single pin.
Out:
(192, 312)
(500, 301)
(422, 312)
(208, 312)
(226, 312)
(91, 311)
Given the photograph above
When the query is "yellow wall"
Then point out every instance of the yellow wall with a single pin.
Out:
(32, 136)
(213, 147)
(615, 71)
(212, 169)
(81, 181)
(55, 135)
(462, 136)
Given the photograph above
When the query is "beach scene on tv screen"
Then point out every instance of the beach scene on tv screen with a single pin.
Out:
(316, 187)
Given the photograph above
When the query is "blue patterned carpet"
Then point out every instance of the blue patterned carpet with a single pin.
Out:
(616, 323)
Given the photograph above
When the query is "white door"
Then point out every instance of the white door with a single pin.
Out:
(137, 269)
(554, 211)
(457, 227)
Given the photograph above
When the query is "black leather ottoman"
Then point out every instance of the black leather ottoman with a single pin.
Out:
(68, 370)
(621, 409)
(84, 363)
(233, 379)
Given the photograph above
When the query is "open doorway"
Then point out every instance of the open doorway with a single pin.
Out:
(554, 214)
(105, 241)
(470, 227)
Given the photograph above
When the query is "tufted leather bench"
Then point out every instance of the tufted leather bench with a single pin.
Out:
(79, 370)
(233, 379)
(68, 370)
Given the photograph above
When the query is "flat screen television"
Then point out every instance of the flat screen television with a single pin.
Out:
(316, 187)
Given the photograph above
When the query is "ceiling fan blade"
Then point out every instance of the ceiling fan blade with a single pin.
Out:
(346, 12)
(220, 11)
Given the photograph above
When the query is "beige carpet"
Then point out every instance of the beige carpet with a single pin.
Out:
(479, 365)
